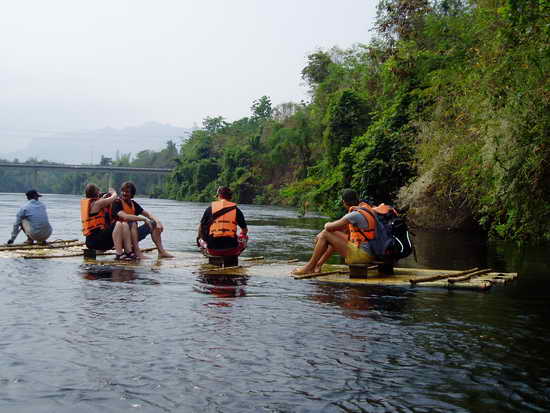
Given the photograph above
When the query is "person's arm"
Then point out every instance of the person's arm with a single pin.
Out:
(104, 201)
(241, 222)
(17, 226)
(154, 219)
(140, 215)
(205, 217)
(337, 225)
(133, 218)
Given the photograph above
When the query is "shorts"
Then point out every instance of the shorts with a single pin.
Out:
(101, 239)
(357, 255)
(143, 231)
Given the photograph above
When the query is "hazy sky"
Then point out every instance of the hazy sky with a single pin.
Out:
(75, 64)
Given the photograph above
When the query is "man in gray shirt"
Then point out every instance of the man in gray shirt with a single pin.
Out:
(352, 236)
(32, 218)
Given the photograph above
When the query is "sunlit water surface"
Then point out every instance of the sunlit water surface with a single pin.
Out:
(75, 338)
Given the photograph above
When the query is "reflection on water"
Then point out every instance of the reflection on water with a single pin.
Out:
(360, 301)
(221, 285)
(113, 274)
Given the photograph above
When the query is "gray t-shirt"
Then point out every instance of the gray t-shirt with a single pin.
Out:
(35, 212)
(357, 219)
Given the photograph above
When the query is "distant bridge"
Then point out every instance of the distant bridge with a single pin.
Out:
(87, 168)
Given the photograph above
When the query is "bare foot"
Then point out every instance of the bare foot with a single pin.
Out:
(318, 269)
(165, 255)
(302, 271)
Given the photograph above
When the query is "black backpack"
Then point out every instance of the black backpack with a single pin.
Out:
(401, 244)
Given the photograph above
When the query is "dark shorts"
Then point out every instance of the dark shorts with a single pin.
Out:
(100, 240)
(143, 231)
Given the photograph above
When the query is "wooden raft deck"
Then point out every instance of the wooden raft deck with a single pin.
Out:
(478, 280)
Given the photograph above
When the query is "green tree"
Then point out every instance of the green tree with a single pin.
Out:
(348, 117)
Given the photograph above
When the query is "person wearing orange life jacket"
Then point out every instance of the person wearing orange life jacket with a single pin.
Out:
(220, 232)
(102, 234)
(125, 209)
(353, 236)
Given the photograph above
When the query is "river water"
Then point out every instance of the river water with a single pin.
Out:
(77, 338)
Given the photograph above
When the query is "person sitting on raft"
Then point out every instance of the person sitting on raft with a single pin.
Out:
(125, 209)
(217, 232)
(32, 218)
(352, 236)
(100, 232)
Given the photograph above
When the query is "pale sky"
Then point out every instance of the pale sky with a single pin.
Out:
(72, 64)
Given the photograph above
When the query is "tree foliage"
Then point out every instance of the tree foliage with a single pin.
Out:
(452, 89)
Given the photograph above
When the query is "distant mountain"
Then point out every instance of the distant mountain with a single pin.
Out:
(88, 146)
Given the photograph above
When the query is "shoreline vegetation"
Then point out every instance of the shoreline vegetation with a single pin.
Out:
(444, 114)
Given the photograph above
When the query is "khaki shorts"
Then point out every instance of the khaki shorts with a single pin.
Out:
(357, 255)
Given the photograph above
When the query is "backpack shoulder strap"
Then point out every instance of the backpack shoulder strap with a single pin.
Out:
(221, 212)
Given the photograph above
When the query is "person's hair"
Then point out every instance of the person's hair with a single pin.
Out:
(91, 190)
(224, 192)
(350, 197)
(128, 185)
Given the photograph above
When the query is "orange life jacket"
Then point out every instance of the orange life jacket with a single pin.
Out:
(384, 209)
(226, 224)
(128, 208)
(91, 222)
(357, 235)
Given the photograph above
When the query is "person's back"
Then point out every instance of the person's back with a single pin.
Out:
(32, 218)
(223, 230)
(35, 212)
(220, 221)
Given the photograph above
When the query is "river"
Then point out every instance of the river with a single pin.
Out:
(74, 338)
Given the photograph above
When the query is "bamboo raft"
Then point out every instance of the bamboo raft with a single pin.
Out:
(471, 279)
(54, 249)
(48, 245)
(474, 279)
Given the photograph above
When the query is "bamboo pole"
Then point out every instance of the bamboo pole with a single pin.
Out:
(482, 285)
(468, 276)
(440, 277)
(29, 257)
(253, 259)
(38, 256)
(475, 286)
(215, 270)
(317, 274)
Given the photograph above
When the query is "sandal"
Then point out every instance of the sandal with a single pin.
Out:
(122, 257)
(131, 256)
